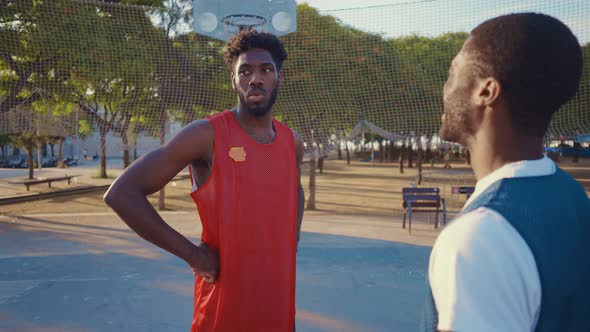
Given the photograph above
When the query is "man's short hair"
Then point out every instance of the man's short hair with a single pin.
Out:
(537, 60)
(249, 39)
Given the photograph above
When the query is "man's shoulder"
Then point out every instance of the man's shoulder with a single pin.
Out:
(218, 117)
(201, 126)
(478, 264)
(198, 135)
(533, 191)
(475, 232)
(567, 178)
(467, 227)
(294, 132)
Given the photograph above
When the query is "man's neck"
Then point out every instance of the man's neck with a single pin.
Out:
(248, 121)
(490, 154)
(260, 128)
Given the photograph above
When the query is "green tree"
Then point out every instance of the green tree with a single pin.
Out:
(421, 65)
(187, 74)
(32, 57)
(115, 82)
(28, 141)
(319, 97)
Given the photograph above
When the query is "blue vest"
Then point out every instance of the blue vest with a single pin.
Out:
(552, 214)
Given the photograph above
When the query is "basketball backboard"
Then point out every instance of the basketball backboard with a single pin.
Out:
(221, 19)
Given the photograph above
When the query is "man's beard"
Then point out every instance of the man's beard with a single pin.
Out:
(259, 110)
(457, 126)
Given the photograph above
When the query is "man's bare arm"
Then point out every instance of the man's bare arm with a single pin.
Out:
(147, 175)
(300, 193)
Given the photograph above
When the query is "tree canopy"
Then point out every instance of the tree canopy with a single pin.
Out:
(126, 65)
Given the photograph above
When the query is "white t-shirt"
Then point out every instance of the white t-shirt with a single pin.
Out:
(482, 273)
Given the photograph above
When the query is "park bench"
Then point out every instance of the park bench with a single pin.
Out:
(68, 178)
(467, 191)
(423, 200)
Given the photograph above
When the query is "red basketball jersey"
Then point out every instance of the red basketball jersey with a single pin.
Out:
(248, 209)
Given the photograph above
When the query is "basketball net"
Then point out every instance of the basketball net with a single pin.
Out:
(232, 24)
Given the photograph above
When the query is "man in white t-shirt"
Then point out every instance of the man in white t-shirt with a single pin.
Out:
(516, 257)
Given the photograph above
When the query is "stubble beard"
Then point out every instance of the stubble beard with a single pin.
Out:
(259, 110)
(456, 126)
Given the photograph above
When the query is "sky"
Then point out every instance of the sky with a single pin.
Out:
(434, 17)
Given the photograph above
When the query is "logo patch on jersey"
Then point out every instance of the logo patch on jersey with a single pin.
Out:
(237, 153)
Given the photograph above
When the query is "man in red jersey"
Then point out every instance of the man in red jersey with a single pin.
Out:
(245, 168)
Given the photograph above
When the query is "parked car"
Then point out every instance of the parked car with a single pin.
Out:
(17, 162)
(69, 161)
(50, 162)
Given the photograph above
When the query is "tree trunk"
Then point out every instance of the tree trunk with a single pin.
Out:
(52, 148)
(410, 156)
(576, 152)
(39, 156)
(420, 160)
(321, 158)
(468, 157)
(102, 173)
(162, 194)
(135, 149)
(31, 163)
(347, 155)
(312, 167)
(389, 152)
(125, 140)
(381, 152)
(401, 159)
(60, 155)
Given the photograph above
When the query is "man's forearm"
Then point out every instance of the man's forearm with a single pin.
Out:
(136, 211)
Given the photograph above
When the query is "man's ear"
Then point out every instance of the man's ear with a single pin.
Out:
(233, 81)
(488, 92)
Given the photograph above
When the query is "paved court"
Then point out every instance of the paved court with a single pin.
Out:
(88, 272)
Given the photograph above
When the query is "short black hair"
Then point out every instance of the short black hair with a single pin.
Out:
(537, 60)
(249, 39)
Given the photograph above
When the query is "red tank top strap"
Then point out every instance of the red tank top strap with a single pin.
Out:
(216, 121)
(220, 120)
(284, 133)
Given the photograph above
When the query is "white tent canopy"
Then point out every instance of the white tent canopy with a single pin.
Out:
(365, 126)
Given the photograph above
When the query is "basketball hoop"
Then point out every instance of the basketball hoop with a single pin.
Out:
(241, 22)
(223, 19)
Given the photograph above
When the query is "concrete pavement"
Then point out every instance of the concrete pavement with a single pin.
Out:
(89, 272)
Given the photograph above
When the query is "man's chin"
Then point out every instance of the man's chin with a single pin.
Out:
(446, 135)
(258, 110)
